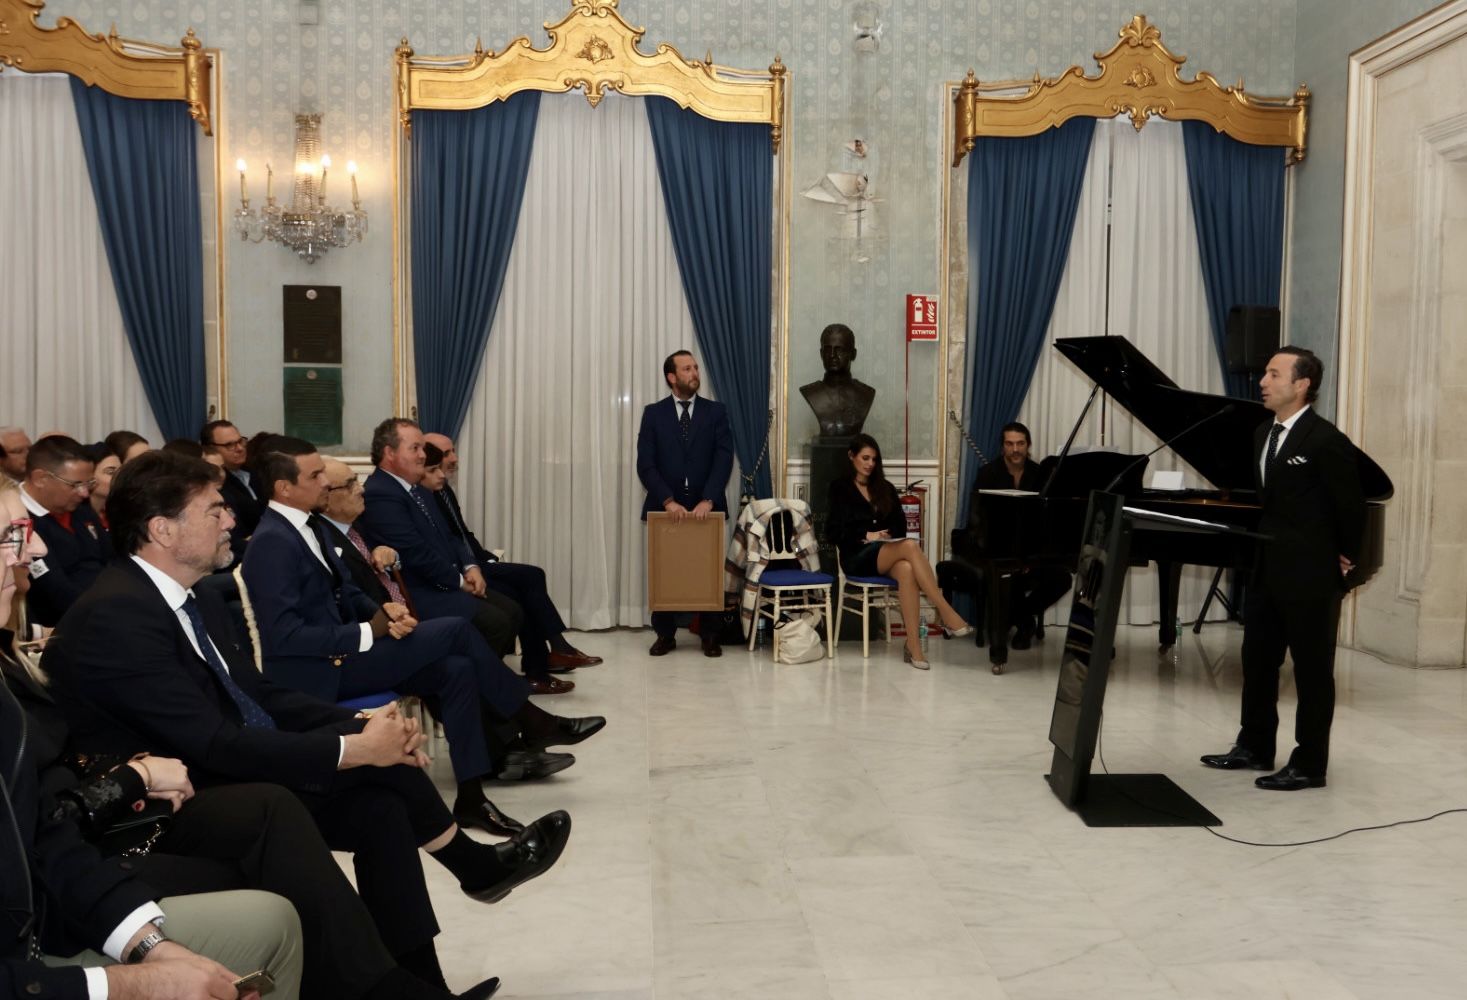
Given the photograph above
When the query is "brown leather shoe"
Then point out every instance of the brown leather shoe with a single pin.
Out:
(550, 685)
(569, 661)
(665, 644)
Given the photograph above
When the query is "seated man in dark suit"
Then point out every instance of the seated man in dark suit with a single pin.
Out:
(57, 483)
(1033, 590)
(238, 489)
(142, 663)
(440, 572)
(522, 582)
(510, 759)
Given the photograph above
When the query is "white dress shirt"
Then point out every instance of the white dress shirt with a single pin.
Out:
(300, 520)
(1288, 425)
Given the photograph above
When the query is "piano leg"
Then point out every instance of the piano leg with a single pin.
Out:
(999, 592)
(1168, 582)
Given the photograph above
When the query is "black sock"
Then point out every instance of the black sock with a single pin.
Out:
(399, 984)
(559, 645)
(475, 865)
(534, 721)
(422, 963)
(470, 794)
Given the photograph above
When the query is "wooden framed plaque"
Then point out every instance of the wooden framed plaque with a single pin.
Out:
(684, 563)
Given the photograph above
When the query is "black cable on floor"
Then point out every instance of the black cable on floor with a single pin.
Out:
(1100, 752)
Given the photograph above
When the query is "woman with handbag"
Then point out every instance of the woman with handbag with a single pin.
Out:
(868, 527)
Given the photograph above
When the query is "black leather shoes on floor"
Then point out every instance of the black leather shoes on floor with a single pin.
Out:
(1290, 779)
(527, 855)
(712, 649)
(665, 644)
(487, 817)
(483, 991)
(568, 732)
(1237, 759)
(527, 765)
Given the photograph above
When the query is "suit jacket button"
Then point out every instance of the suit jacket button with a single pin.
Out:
(336, 661)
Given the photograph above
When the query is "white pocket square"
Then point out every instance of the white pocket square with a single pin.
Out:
(1297, 460)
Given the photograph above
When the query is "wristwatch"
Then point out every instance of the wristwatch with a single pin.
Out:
(150, 941)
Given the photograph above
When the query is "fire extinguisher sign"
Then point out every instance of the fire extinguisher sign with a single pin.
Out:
(921, 317)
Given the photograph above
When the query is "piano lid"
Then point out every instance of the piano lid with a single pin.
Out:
(1221, 449)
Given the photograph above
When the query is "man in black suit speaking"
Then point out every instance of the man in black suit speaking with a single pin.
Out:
(1314, 513)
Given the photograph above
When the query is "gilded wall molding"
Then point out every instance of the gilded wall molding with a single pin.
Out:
(107, 61)
(592, 49)
(1139, 78)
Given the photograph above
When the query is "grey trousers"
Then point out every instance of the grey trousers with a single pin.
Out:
(244, 931)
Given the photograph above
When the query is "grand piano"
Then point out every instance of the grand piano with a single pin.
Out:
(1008, 533)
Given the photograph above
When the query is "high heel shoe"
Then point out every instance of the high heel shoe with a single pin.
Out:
(919, 664)
(960, 633)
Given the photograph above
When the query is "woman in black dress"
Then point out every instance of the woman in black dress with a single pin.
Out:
(868, 527)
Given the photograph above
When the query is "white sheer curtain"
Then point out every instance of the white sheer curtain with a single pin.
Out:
(65, 363)
(592, 305)
(1156, 299)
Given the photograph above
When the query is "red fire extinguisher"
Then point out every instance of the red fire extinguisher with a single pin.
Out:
(913, 499)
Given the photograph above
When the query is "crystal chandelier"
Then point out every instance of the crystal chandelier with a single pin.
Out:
(310, 227)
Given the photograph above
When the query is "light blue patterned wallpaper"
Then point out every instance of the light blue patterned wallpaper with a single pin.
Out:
(342, 66)
(1329, 31)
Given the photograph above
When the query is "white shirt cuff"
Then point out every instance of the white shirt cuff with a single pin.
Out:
(131, 924)
(341, 754)
(96, 983)
(366, 642)
(460, 581)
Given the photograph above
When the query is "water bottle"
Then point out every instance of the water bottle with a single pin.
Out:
(922, 635)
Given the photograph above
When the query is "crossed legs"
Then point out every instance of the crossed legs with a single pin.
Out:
(907, 564)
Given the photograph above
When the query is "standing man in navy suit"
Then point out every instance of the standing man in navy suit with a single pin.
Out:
(684, 459)
(1314, 512)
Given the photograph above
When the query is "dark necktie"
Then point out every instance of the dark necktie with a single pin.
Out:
(417, 494)
(1273, 449)
(388, 584)
(254, 716)
(318, 527)
(685, 421)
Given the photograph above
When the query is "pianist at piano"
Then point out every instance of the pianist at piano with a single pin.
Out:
(1034, 589)
(1314, 512)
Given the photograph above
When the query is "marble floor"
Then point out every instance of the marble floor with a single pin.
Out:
(856, 829)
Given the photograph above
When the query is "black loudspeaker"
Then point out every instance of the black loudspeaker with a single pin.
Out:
(1253, 338)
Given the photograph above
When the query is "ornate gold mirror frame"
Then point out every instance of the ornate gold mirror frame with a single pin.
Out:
(594, 50)
(139, 70)
(1139, 77)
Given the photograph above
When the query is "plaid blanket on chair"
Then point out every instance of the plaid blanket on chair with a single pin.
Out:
(748, 551)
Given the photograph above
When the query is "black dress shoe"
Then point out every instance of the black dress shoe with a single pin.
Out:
(1290, 779)
(568, 732)
(1023, 634)
(483, 991)
(712, 648)
(487, 817)
(1237, 759)
(527, 855)
(527, 765)
(665, 644)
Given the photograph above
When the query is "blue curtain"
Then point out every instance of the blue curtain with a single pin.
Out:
(1022, 199)
(143, 160)
(717, 182)
(469, 170)
(1238, 204)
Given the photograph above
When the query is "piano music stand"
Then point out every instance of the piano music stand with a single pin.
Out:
(1109, 800)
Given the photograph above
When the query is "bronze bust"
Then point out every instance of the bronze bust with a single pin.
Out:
(839, 401)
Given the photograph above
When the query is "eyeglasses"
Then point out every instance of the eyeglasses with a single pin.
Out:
(73, 484)
(17, 533)
(350, 484)
(238, 442)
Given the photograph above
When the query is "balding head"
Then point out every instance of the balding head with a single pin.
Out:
(444, 443)
(344, 498)
(16, 446)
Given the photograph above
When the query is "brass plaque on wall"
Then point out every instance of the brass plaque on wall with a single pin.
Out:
(313, 324)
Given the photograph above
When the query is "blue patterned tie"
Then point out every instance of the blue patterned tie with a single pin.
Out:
(417, 494)
(1274, 434)
(685, 422)
(254, 716)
